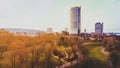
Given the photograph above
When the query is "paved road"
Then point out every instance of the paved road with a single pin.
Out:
(68, 64)
(107, 55)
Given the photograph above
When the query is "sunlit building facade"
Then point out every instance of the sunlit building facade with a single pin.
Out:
(75, 20)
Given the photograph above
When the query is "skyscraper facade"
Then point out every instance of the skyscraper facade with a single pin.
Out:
(99, 28)
(75, 20)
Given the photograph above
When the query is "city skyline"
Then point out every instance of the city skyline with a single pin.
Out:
(37, 14)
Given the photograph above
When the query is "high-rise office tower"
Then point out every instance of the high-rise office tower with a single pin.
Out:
(99, 28)
(75, 20)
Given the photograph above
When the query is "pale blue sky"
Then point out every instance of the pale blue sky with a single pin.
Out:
(42, 14)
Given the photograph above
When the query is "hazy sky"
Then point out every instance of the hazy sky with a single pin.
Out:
(41, 14)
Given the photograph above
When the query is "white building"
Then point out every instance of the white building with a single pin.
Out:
(75, 20)
(99, 28)
(65, 29)
(49, 30)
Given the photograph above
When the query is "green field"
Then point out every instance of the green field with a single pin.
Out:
(95, 59)
(95, 52)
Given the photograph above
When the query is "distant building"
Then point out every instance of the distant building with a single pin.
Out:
(23, 32)
(84, 30)
(65, 29)
(49, 30)
(99, 28)
(75, 20)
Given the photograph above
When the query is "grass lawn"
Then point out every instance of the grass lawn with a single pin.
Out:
(93, 43)
(95, 52)
(95, 59)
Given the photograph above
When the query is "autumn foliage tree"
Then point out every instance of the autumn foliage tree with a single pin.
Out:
(33, 51)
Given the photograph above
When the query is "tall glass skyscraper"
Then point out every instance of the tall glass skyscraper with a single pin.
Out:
(75, 20)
